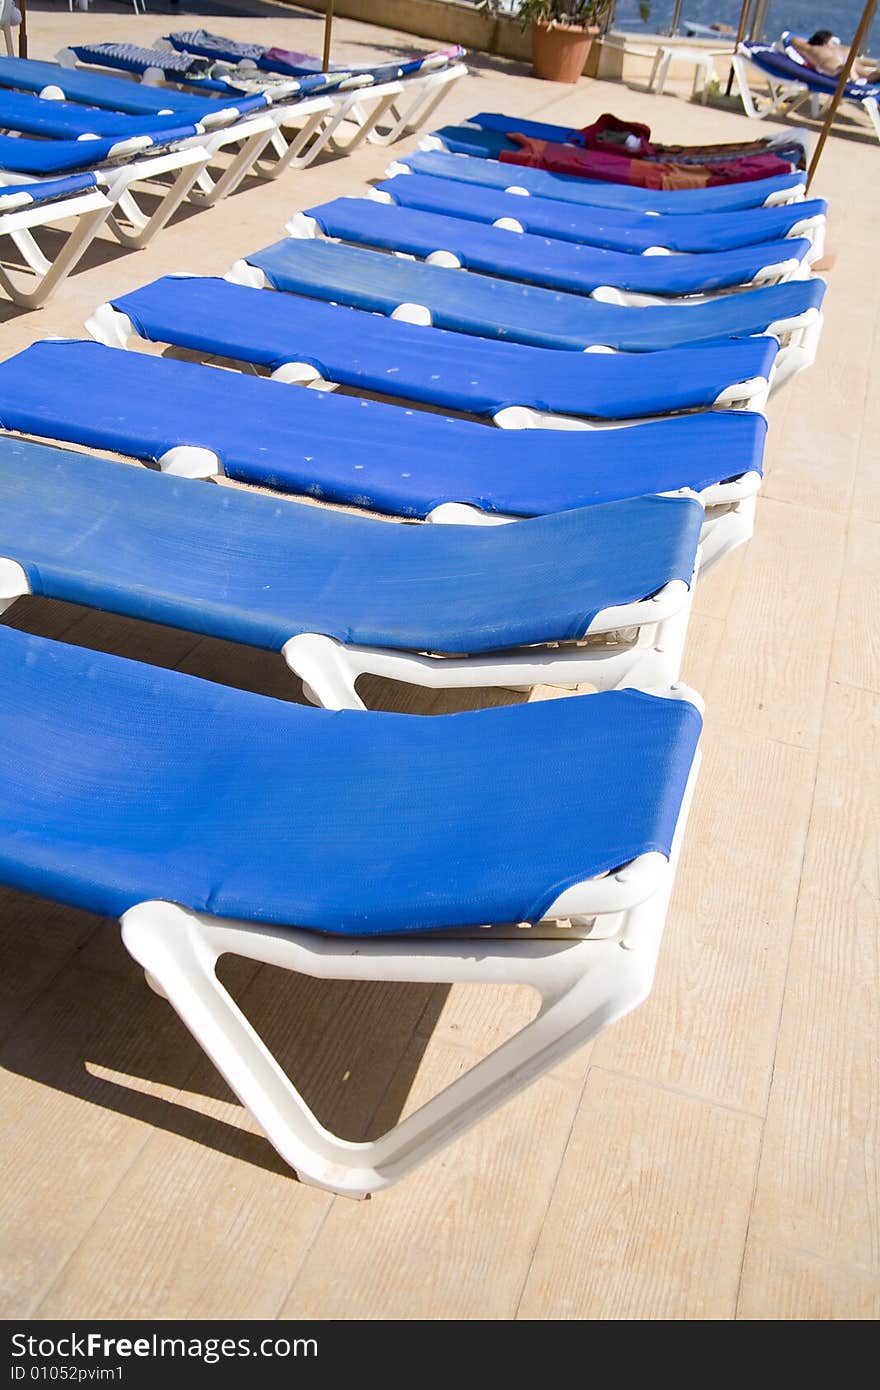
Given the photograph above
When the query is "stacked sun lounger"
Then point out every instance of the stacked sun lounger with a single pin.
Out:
(591, 465)
(196, 138)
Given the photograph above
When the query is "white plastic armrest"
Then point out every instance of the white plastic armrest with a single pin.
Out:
(243, 273)
(519, 192)
(464, 514)
(296, 374)
(508, 224)
(395, 168)
(447, 259)
(52, 93)
(413, 313)
(657, 251)
(378, 195)
(14, 583)
(303, 227)
(110, 326)
(191, 461)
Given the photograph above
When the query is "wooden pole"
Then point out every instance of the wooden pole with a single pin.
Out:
(22, 29)
(328, 26)
(861, 35)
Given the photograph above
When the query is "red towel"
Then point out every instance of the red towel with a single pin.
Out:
(640, 173)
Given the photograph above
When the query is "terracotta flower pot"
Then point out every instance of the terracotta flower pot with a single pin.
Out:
(559, 51)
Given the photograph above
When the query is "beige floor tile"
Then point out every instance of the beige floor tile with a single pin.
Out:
(454, 1239)
(649, 1215)
(818, 1188)
(710, 1024)
(771, 669)
(788, 1285)
(855, 657)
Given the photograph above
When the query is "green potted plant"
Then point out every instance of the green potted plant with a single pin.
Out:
(562, 32)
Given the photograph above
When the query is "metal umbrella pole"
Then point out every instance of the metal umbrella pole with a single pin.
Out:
(328, 29)
(676, 17)
(22, 29)
(859, 38)
(745, 15)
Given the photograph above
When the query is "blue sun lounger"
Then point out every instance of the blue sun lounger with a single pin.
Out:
(790, 83)
(457, 243)
(633, 232)
(183, 68)
(425, 78)
(308, 341)
(115, 94)
(117, 164)
(492, 308)
(487, 136)
(27, 273)
(48, 158)
(491, 173)
(67, 120)
(790, 145)
(222, 49)
(199, 422)
(210, 818)
(339, 595)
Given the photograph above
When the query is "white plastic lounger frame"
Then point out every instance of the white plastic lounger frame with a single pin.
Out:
(306, 228)
(588, 975)
(114, 328)
(639, 643)
(780, 197)
(31, 283)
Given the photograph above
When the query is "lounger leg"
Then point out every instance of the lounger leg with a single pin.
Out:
(296, 152)
(872, 109)
(364, 124)
(419, 110)
(32, 289)
(584, 986)
(135, 228)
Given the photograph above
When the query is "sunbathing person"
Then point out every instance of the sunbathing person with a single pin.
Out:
(828, 55)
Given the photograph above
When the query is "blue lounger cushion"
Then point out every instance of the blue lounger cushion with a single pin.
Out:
(114, 93)
(248, 568)
(23, 156)
(494, 308)
(608, 227)
(457, 372)
(536, 260)
(403, 462)
(65, 120)
(14, 196)
(163, 786)
(491, 173)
